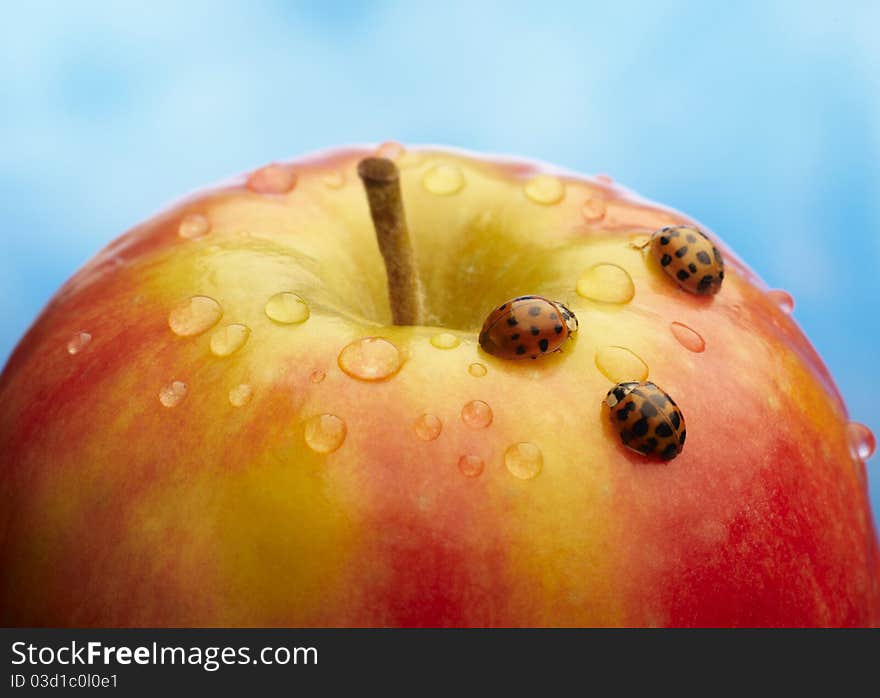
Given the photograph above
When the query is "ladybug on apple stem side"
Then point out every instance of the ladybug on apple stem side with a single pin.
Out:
(527, 327)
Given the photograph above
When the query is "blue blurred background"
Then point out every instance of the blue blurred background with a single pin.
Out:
(760, 119)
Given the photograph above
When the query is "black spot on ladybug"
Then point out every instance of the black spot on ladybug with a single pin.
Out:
(665, 260)
(514, 336)
(640, 428)
(535, 310)
(705, 282)
(512, 321)
(682, 437)
(675, 419)
(553, 316)
(690, 238)
(703, 257)
(648, 410)
(669, 452)
(692, 268)
(543, 344)
(534, 330)
(649, 445)
(558, 329)
(673, 232)
(682, 275)
(717, 255)
(664, 240)
(521, 350)
(626, 436)
(663, 429)
(681, 251)
(721, 274)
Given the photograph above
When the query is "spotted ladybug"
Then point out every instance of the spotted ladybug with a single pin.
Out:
(527, 327)
(689, 257)
(647, 419)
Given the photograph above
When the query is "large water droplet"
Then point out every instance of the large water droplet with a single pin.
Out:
(272, 179)
(445, 340)
(476, 414)
(443, 179)
(333, 180)
(861, 441)
(228, 340)
(783, 299)
(78, 342)
(545, 189)
(194, 316)
(194, 226)
(524, 460)
(688, 337)
(240, 395)
(287, 308)
(607, 283)
(370, 359)
(619, 364)
(477, 370)
(170, 395)
(317, 375)
(324, 433)
(391, 150)
(470, 465)
(427, 427)
(593, 209)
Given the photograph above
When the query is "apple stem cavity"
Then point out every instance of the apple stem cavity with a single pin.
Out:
(381, 180)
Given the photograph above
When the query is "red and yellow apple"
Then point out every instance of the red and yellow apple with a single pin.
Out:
(215, 423)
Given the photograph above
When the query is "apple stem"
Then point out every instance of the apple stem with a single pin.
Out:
(382, 182)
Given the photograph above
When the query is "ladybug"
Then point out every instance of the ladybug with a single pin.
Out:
(688, 256)
(527, 327)
(647, 419)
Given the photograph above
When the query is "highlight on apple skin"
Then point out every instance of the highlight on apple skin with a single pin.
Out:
(216, 423)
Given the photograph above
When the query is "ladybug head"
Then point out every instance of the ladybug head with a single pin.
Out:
(620, 391)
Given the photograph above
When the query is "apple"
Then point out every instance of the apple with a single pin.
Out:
(217, 421)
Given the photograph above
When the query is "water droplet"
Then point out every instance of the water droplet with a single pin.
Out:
(443, 179)
(391, 150)
(227, 340)
(240, 395)
(194, 226)
(445, 340)
(476, 414)
(477, 370)
(688, 337)
(593, 209)
(78, 342)
(317, 375)
(607, 283)
(639, 242)
(271, 179)
(471, 465)
(619, 364)
(524, 460)
(324, 433)
(783, 299)
(370, 359)
(194, 316)
(170, 395)
(287, 308)
(427, 427)
(861, 441)
(333, 180)
(545, 189)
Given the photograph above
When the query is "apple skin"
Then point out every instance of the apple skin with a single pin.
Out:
(120, 511)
